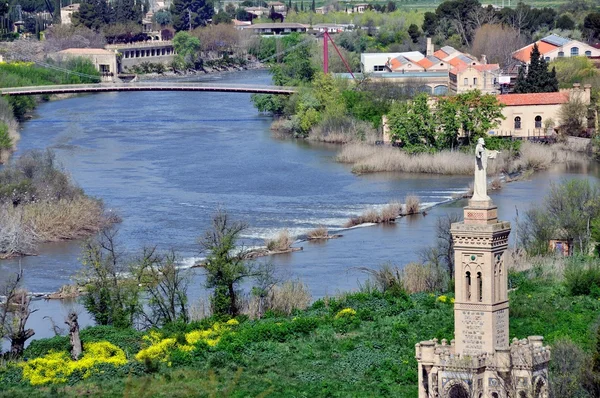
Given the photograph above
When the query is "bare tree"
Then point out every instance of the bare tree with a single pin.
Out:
(166, 286)
(497, 42)
(14, 313)
(16, 236)
(483, 15)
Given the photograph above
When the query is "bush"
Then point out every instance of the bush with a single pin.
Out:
(318, 233)
(129, 340)
(412, 204)
(582, 278)
(282, 242)
(41, 347)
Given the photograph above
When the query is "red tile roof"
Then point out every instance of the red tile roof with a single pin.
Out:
(480, 68)
(425, 63)
(524, 54)
(440, 54)
(533, 99)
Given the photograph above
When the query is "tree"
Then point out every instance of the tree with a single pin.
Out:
(313, 6)
(497, 42)
(187, 47)
(572, 116)
(565, 22)
(14, 313)
(166, 288)
(163, 17)
(221, 17)
(430, 21)
(93, 14)
(225, 264)
(414, 33)
(391, 6)
(413, 124)
(6, 143)
(591, 25)
(110, 299)
(189, 14)
(128, 11)
(537, 79)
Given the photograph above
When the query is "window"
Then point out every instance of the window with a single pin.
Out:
(538, 122)
(379, 68)
(574, 51)
(468, 286)
(479, 287)
(547, 58)
(517, 122)
(475, 81)
(466, 81)
(561, 54)
(588, 53)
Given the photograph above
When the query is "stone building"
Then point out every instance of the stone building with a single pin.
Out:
(536, 114)
(555, 46)
(104, 61)
(481, 362)
(474, 77)
(66, 13)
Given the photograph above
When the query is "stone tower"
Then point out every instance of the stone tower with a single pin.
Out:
(481, 361)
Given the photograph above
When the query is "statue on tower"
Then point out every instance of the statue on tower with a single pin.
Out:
(480, 184)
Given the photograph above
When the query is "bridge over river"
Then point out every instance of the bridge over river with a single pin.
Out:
(145, 86)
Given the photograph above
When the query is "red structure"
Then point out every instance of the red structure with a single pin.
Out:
(326, 39)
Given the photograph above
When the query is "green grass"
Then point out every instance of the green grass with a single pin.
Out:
(313, 354)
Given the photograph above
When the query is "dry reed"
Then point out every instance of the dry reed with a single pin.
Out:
(369, 216)
(282, 299)
(65, 219)
(369, 159)
(417, 277)
(496, 184)
(282, 242)
(318, 233)
(412, 204)
(390, 212)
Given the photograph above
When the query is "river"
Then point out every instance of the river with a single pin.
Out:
(165, 161)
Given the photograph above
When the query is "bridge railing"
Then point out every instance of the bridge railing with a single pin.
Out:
(142, 85)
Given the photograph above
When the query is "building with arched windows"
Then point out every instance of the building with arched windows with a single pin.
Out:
(555, 46)
(536, 114)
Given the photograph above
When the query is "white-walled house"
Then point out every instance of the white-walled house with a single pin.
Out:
(554, 46)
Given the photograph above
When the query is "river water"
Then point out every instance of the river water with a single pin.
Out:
(165, 161)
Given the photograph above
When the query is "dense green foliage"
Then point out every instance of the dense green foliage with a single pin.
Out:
(189, 14)
(419, 126)
(27, 74)
(5, 140)
(97, 14)
(356, 344)
(537, 79)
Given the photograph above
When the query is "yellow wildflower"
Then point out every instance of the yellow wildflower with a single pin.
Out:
(442, 299)
(346, 312)
(160, 351)
(232, 322)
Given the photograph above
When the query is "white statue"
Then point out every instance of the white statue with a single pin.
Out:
(481, 157)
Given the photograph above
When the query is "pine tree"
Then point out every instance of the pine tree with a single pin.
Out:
(537, 79)
(313, 6)
(302, 5)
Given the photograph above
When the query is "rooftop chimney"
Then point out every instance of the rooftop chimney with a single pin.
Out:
(483, 59)
(429, 51)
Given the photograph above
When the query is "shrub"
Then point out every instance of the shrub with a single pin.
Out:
(129, 340)
(390, 212)
(42, 347)
(582, 277)
(318, 233)
(412, 204)
(282, 242)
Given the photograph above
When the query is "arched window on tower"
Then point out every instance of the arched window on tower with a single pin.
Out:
(468, 286)
(538, 122)
(517, 123)
(479, 287)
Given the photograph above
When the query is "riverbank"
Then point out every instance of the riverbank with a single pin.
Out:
(357, 343)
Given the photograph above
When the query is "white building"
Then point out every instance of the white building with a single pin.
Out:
(555, 46)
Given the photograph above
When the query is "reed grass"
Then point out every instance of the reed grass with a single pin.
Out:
(412, 204)
(318, 233)
(371, 159)
(282, 242)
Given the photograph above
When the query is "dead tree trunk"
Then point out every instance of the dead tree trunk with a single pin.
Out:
(19, 314)
(76, 347)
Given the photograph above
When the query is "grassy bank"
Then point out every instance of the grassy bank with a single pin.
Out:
(371, 159)
(358, 344)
